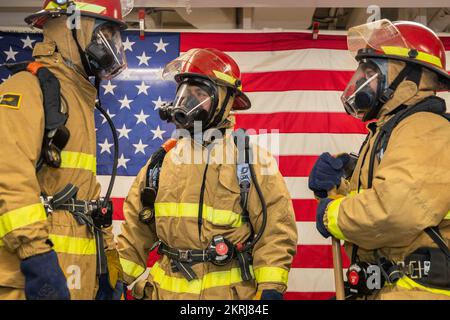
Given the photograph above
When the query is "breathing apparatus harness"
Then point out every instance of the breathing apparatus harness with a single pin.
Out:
(427, 266)
(97, 214)
(220, 251)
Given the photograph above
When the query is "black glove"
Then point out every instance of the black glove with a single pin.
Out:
(327, 173)
(44, 279)
(105, 292)
(320, 226)
(271, 295)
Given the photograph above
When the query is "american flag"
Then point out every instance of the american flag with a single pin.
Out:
(294, 83)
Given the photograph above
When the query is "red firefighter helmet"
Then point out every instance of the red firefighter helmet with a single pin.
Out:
(110, 10)
(401, 40)
(212, 64)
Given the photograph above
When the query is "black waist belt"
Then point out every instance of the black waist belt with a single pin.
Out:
(82, 211)
(183, 260)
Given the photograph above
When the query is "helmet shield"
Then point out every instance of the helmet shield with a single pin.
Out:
(375, 36)
(202, 62)
(363, 90)
(105, 52)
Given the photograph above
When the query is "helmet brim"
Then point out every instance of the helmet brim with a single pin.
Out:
(39, 19)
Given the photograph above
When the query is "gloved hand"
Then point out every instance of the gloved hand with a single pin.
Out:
(327, 173)
(269, 294)
(44, 279)
(320, 226)
(111, 284)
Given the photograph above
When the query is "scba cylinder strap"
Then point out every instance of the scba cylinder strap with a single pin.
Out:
(220, 252)
(92, 213)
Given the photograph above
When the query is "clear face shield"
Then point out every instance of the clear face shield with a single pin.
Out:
(105, 52)
(362, 92)
(194, 101)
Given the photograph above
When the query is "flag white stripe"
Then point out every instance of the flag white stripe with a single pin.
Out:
(294, 101)
(303, 59)
(311, 280)
(308, 143)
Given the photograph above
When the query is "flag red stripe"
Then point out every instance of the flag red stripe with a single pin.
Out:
(305, 209)
(301, 122)
(309, 295)
(296, 80)
(118, 208)
(234, 42)
(260, 41)
(296, 166)
(316, 256)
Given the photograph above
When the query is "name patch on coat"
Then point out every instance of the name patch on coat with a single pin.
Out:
(10, 100)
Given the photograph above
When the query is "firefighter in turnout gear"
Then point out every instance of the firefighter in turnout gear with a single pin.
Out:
(55, 242)
(394, 211)
(223, 229)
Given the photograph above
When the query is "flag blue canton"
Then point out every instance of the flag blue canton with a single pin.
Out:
(132, 99)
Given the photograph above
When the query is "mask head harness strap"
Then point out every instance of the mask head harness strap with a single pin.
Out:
(84, 60)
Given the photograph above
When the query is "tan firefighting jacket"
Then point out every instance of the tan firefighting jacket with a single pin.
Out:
(24, 224)
(410, 190)
(175, 223)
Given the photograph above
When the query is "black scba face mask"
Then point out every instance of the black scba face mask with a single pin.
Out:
(195, 101)
(361, 98)
(105, 52)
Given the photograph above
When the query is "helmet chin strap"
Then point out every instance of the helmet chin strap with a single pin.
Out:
(84, 60)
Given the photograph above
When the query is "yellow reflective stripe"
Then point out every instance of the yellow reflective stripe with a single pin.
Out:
(78, 160)
(89, 7)
(447, 217)
(209, 280)
(21, 217)
(404, 52)
(332, 215)
(408, 283)
(190, 210)
(271, 274)
(130, 268)
(227, 78)
(73, 245)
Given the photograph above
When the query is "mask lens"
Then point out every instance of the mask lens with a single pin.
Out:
(360, 95)
(107, 52)
(193, 102)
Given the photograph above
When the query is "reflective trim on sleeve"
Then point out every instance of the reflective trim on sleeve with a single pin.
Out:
(271, 274)
(190, 210)
(447, 217)
(332, 215)
(196, 286)
(73, 245)
(78, 160)
(408, 283)
(404, 52)
(18, 218)
(131, 268)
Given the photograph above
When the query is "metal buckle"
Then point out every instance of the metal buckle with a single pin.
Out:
(412, 270)
(184, 256)
(47, 203)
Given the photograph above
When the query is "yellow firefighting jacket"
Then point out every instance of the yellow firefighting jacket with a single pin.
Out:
(24, 224)
(175, 223)
(410, 190)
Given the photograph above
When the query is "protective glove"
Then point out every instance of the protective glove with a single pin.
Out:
(269, 294)
(111, 284)
(44, 279)
(320, 226)
(327, 173)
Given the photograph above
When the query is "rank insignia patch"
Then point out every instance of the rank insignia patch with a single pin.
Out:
(10, 100)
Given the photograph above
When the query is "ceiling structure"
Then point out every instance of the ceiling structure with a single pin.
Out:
(260, 14)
